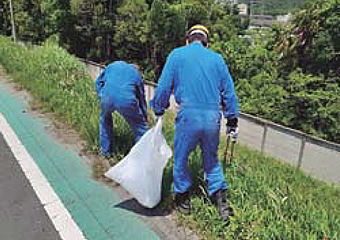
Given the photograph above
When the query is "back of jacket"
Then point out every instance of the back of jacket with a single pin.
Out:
(119, 81)
(199, 78)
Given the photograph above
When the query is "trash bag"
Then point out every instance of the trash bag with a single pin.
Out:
(141, 171)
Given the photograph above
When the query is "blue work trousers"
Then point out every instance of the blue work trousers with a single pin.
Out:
(131, 113)
(193, 127)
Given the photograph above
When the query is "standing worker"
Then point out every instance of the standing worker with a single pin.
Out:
(201, 83)
(120, 88)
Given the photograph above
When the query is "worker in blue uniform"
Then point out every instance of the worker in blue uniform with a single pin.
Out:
(120, 88)
(201, 83)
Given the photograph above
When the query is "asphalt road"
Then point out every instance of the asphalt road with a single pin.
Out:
(22, 216)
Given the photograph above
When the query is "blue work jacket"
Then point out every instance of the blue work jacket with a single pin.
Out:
(122, 83)
(199, 78)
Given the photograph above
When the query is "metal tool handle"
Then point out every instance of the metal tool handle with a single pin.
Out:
(225, 154)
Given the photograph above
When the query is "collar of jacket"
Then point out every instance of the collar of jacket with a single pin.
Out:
(196, 43)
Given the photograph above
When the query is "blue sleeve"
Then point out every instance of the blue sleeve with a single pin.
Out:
(229, 101)
(100, 81)
(141, 95)
(164, 89)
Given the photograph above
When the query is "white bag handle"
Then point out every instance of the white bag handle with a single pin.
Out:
(159, 125)
(157, 131)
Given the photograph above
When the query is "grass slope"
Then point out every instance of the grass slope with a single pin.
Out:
(271, 200)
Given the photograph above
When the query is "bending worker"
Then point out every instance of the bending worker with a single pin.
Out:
(120, 88)
(201, 83)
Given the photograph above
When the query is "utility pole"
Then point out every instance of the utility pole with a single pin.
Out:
(12, 20)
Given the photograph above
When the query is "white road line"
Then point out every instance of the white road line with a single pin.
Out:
(60, 217)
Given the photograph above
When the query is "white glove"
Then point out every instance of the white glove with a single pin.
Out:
(232, 132)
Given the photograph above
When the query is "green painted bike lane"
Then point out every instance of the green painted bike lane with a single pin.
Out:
(93, 206)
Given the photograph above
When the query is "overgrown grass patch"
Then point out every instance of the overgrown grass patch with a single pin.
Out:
(271, 200)
(58, 80)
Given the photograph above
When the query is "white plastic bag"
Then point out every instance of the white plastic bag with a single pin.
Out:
(141, 171)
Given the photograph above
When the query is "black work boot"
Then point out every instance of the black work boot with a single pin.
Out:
(182, 202)
(219, 198)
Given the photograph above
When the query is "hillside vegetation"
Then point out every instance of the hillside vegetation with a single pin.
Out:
(271, 200)
(289, 75)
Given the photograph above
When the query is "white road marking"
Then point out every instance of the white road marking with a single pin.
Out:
(60, 217)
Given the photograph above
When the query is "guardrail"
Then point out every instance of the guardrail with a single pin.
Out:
(317, 157)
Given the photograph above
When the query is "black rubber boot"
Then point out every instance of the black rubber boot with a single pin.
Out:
(182, 202)
(219, 198)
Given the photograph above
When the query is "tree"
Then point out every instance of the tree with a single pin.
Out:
(167, 31)
(5, 23)
(314, 38)
(35, 20)
(262, 96)
(131, 30)
(94, 25)
(314, 104)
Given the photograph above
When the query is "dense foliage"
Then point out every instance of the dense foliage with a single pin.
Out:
(296, 80)
(288, 206)
(105, 30)
(289, 75)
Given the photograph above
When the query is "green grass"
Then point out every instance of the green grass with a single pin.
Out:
(271, 200)
(59, 81)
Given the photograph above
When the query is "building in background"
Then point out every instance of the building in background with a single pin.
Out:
(243, 9)
(257, 18)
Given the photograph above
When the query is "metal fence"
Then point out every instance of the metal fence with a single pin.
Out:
(317, 157)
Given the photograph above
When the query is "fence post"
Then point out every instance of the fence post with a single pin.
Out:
(264, 136)
(302, 148)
